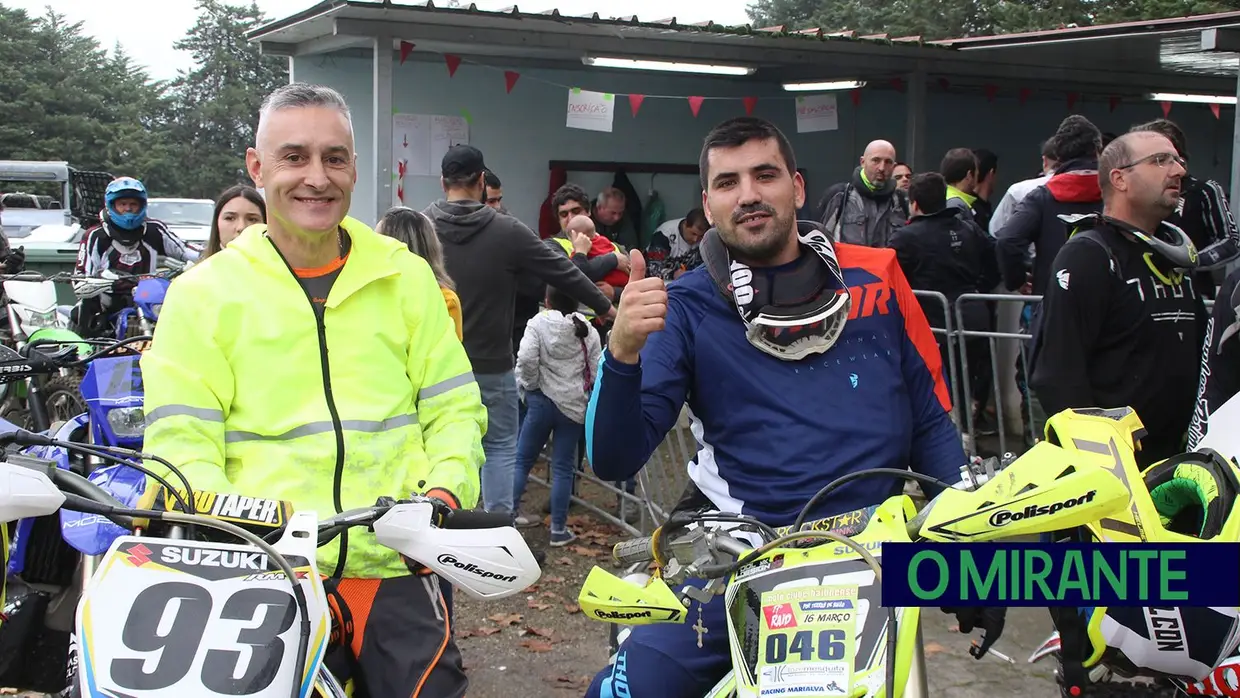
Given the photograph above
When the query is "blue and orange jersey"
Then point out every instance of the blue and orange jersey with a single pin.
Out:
(771, 433)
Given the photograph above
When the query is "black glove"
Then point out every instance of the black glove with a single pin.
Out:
(15, 262)
(123, 287)
(989, 619)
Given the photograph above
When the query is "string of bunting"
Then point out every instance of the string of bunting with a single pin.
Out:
(990, 90)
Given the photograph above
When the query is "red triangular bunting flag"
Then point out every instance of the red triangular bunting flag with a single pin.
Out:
(405, 49)
(1025, 93)
(1114, 102)
(1214, 109)
(635, 102)
(856, 96)
(944, 84)
(991, 91)
(454, 62)
(1072, 98)
(898, 84)
(510, 79)
(1166, 107)
(400, 192)
(750, 103)
(695, 103)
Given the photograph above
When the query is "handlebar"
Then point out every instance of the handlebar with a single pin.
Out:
(634, 552)
(62, 360)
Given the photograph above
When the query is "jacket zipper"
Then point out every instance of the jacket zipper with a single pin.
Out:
(337, 427)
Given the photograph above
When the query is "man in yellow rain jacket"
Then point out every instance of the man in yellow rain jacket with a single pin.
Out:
(314, 361)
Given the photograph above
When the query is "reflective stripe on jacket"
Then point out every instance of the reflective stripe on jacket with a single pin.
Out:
(248, 391)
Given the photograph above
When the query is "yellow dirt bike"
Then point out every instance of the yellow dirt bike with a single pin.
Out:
(855, 648)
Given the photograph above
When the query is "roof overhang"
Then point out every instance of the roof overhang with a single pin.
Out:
(1182, 54)
(1128, 64)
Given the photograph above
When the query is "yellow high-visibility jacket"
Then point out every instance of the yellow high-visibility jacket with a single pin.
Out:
(248, 390)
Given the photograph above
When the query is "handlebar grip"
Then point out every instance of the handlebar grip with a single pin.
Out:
(70, 481)
(476, 518)
(632, 552)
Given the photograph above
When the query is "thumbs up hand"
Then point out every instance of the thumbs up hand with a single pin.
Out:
(643, 310)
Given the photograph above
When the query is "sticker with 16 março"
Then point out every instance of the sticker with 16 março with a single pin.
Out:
(806, 642)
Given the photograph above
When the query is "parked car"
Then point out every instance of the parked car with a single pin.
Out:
(188, 219)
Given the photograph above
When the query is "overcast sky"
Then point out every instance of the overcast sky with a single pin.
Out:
(148, 28)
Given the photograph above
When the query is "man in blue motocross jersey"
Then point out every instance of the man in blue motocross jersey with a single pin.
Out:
(778, 411)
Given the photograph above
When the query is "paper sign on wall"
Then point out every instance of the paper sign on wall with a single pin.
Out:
(592, 111)
(817, 113)
(419, 142)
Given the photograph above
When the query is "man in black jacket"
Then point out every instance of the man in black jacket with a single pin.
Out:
(1073, 189)
(485, 253)
(940, 250)
(1220, 359)
(1122, 321)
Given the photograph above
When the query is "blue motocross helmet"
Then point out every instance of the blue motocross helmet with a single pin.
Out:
(127, 228)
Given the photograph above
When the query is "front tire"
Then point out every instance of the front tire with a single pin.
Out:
(62, 398)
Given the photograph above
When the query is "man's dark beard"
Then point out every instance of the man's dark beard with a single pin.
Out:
(759, 251)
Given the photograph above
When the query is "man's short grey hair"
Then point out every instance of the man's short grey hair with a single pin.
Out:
(611, 194)
(300, 95)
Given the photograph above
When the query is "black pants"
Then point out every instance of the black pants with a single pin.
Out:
(393, 638)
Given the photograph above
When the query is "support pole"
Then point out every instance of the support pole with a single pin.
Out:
(381, 153)
(915, 120)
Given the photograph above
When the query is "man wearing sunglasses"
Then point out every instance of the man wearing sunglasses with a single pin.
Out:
(1122, 321)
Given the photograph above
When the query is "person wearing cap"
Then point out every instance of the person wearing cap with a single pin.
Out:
(486, 253)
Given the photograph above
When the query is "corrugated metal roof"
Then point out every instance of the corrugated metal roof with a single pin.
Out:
(1073, 32)
(595, 18)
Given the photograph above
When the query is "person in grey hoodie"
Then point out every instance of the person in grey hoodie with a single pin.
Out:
(486, 252)
(555, 367)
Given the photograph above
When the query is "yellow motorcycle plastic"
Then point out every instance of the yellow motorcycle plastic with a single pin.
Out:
(832, 587)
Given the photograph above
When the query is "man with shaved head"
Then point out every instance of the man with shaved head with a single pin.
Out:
(314, 361)
(867, 208)
(1122, 322)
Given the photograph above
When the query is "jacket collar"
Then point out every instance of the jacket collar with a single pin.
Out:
(371, 257)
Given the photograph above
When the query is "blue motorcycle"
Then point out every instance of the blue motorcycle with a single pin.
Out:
(51, 556)
(139, 316)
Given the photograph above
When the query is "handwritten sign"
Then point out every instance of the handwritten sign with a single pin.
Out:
(817, 113)
(419, 142)
(592, 111)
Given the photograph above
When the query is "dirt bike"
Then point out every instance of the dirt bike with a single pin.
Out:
(35, 317)
(840, 651)
(172, 609)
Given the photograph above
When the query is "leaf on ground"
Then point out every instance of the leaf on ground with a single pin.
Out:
(467, 633)
(486, 630)
(582, 521)
(552, 579)
(506, 618)
(538, 632)
(550, 595)
(535, 603)
(570, 682)
(536, 645)
(588, 552)
(530, 589)
(566, 560)
(934, 648)
(572, 608)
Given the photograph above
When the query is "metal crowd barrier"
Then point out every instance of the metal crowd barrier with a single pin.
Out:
(660, 484)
